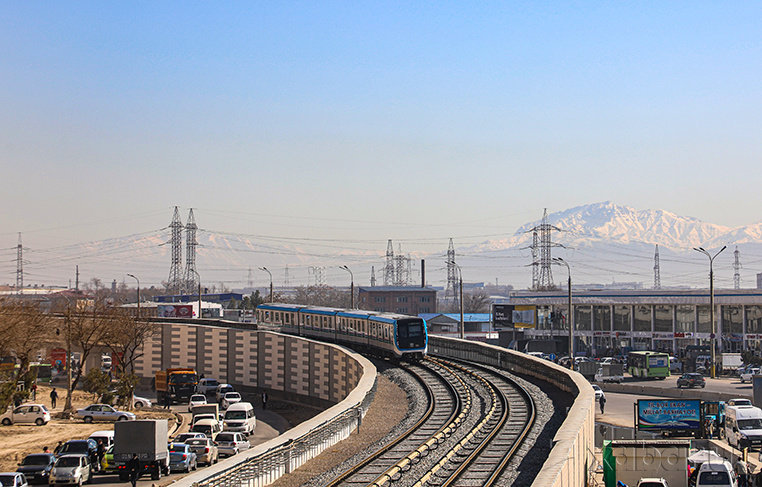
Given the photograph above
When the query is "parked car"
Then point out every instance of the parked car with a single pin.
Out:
(229, 443)
(181, 458)
(13, 479)
(691, 380)
(87, 447)
(141, 402)
(36, 467)
(207, 386)
(71, 469)
(196, 400)
(27, 413)
(748, 374)
(103, 412)
(205, 450)
(230, 398)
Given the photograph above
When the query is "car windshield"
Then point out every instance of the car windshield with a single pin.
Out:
(232, 395)
(196, 441)
(6, 479)
(651, 484)
(183, 378)
(235, 415)
(750, 424)
(225, 437)
(184, 436)
(198, 398)
(36, 460)
(202, 428)
(177, 448)
(67, 462)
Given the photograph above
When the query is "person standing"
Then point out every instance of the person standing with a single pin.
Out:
(602, 402)
(101, 453)
(264, 400)
(53, 398)
(34, 392)
(133, 467)
(58, 448)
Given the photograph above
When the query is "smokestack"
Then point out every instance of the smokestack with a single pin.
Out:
(423, 273)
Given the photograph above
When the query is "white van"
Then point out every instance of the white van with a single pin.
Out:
(743, 426)
(716, 474)
(106, 436)
(240, 418)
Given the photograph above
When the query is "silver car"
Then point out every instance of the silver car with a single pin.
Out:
(103, 412)
(229, 443)
(71, 470)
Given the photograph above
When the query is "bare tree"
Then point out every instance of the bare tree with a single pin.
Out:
(24, 333)
(88, 329)
(322, 296)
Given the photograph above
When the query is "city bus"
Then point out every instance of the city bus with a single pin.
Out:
(648, 365)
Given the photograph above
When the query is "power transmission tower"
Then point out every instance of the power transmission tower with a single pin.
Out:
(737, 269)
(544, 279)
(19, 267)
(191, 275)
(389, 268)
(657, 273)
(402, 268)
(452, 277)
(174, 283)
(319, 273)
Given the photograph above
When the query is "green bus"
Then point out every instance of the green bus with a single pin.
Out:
(648, 365)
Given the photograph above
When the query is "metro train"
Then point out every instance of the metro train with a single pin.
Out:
(382, 334)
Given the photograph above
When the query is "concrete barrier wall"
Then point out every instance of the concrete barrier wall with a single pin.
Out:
(312, 372)
(573, 449)
(645, 390)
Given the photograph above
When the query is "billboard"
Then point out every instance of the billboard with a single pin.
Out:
(508, 315)
(668, 414)
(175, 310)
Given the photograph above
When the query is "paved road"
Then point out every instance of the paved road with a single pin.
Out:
(269, 426)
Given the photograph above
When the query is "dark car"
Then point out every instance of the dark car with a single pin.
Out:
(36, 467)
(88, 447)
(691, 380)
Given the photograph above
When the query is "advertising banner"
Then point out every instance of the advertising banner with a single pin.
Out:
(175, 310)
(503, 315)
(523, 316)
(669, 414)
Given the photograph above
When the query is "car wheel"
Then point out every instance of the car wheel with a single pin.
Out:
(39, 421)
(79, 482)
(6, 422)
(122, 418)
(138, 405)
(88, 419)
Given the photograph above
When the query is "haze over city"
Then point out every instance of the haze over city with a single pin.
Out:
(332, 128)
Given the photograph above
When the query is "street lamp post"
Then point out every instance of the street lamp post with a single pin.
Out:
(460, 293)
(271, 282)
(351, 285)
(711, 301)
(67, 320)
(199, 292)
(138, 292)
(560, 261)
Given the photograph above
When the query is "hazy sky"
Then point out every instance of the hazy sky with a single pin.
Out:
(361, 121)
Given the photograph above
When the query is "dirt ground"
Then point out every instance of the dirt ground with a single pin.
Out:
(17, 441)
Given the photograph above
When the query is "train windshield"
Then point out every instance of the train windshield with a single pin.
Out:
(410, 330)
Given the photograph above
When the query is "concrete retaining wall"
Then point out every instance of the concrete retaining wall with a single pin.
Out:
(573, 446)
(312, 372)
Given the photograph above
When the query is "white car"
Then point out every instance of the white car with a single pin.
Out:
(71, 469)
(229, 443)
(230, 398)
(749, 374)
(141, 402)
(27, 413)
(196, 400)
(103, 412)
(598, 392)
(13, 479)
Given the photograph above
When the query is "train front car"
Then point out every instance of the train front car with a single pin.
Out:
(410, 338)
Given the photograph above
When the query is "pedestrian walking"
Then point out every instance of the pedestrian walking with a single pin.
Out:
(602, 402)
(133, 467)
(264, 400)
(53, 398)
(34, 392)
(167, 401)
(101, 453)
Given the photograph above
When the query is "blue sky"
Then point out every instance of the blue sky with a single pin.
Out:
(367, 121)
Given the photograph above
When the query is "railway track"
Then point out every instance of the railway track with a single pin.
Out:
(475, 421)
